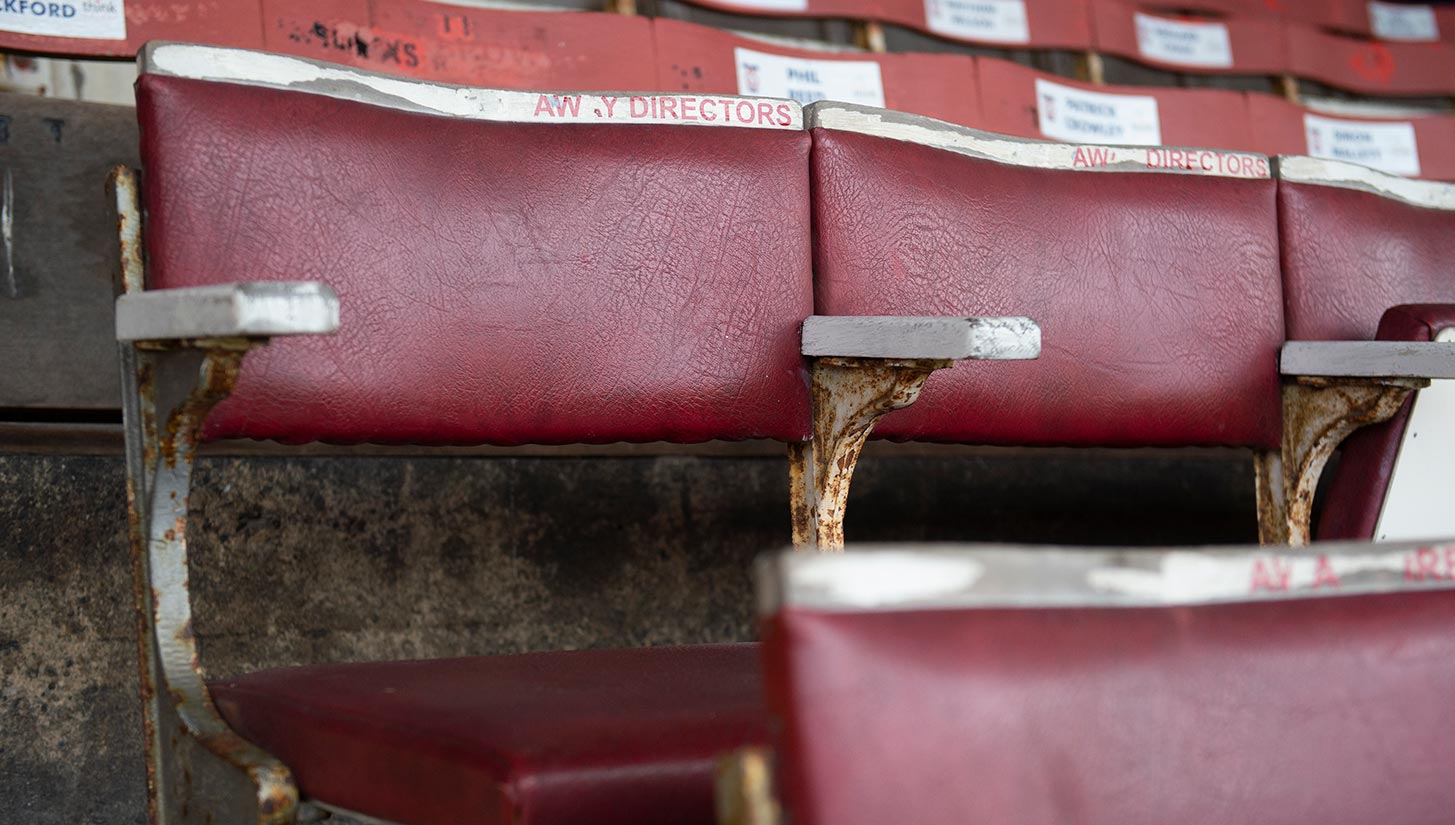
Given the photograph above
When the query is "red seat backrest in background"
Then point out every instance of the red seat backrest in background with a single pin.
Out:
(1065, 709)
(1419, 146)
(1370, 67)
(450, 43)
(504, 282)
(692, 58)
(1158, 292)
(1035, 24)
(118, 29)
(1214, 118)
(1238, 44)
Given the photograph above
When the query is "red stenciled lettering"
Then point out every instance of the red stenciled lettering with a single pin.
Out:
(1247, 166)
(1429, 562)
(765, 113)
(669, 104)
(610, 103)
(1272, 575)
(632, 103)
(1423, 564)
(1207, 164)
(544, 102)
(706, 113)
(1080, 158)
(1324, 573)
(689, 108)
(785, 114)
(1450, 562)
(745, 118)
(570, 105)
(1261, 167)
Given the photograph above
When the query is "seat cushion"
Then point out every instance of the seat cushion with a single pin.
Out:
(579, 737)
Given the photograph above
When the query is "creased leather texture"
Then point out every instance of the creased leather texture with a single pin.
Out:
(1349, 255)
(605, 737)
(1366, 464)
(498, 282)
(1277, 713)
(1157, 295)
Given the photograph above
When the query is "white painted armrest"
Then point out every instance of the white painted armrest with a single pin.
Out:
(899, 337)
(251, 310)
(1369, 359)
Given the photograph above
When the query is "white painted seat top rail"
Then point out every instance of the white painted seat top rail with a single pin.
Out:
(1318, 171)
(1010, 338)
(938, 577)
(926, 131)
(276, 71)
(246, 310)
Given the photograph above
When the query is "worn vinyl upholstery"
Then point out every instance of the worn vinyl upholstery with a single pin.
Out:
(605, 737)
(1324, 710)
(1158, 295)
(1349, 255)
(499, 282)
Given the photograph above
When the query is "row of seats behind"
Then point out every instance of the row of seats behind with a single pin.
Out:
(584, 51)
(418, 36)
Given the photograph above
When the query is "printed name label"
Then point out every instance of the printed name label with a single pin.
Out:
(666, 109)
(1186, 44)
(996, 21)
(1388, 147)
(84, 19)
(1394, 21)
(806, 80)
(767, 5)
(1079, 116)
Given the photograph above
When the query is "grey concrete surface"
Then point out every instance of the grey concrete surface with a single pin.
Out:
(352, 558)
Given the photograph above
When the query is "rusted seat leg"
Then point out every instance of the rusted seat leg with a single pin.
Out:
(1318, 414)
(198, 769)
(849, 395)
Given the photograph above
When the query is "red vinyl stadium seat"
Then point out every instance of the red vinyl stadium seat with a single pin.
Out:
(1155, 270)
(613, 336)
(1370, 67)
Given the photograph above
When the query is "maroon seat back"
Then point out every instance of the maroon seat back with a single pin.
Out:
(1044, 687)
(1355, 242)
(512, 267)
(1153, 273)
